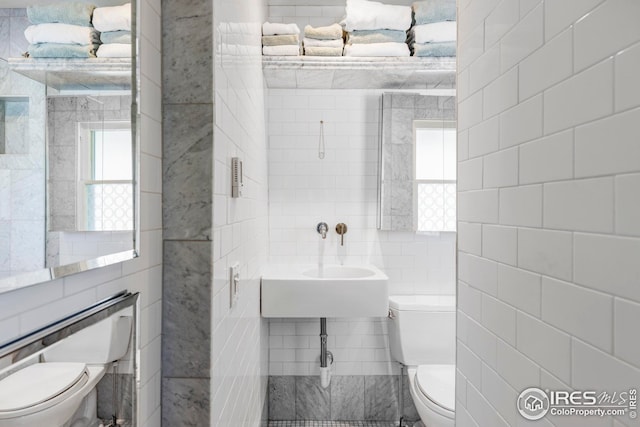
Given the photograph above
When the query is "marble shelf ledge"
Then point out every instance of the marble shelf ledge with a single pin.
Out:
(76, 73)
(343, 72)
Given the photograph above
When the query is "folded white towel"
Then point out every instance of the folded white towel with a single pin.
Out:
(333, 31)
(276, 28)
(114, 50)
(282, 50)
(322, 51)
(322, 43)
(61, 33)
(113, 18)
(377, 49)
(434, 33)
(373, 15)
(280, 40)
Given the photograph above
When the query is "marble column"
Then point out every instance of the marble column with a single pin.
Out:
(188, 93)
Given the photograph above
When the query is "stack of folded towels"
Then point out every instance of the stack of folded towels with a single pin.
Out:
(434, 31)
(114, 24)
(376, 29)
(61, 31)
(280, 39)
(323, 41)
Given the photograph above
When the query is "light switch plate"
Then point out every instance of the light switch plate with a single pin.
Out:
(234, 279)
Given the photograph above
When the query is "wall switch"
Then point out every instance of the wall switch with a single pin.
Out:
(236, 177)
(234, 280)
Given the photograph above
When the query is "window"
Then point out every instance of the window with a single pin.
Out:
(435, 175)
(105, 193)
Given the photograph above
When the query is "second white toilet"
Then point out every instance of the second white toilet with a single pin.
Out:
(422, 336)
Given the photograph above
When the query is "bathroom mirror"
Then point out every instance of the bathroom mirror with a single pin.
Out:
(68, 148)
(416, 189)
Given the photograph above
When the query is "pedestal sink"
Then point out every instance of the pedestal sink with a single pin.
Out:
(324, 291)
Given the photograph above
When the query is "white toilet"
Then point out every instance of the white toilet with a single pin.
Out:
(422, 336)
(60, 389)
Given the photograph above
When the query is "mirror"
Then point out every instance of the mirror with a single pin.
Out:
(68, 141)
(417, 163)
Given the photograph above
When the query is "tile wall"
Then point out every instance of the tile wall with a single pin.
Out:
(187, 203)
(348, 398)
(22, 174)
(304, 190)
(26, 309)
(240, 226)
(214, 355)
(549, 179)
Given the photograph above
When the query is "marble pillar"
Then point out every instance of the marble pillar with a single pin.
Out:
(188, 93)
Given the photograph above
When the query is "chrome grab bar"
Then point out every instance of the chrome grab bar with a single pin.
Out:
(33, 342)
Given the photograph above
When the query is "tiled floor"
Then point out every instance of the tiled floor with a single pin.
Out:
(331, 424)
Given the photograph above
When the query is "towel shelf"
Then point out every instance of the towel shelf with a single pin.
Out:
(344, 72)
(76, 73)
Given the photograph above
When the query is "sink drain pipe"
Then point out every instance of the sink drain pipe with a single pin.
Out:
(326, 357)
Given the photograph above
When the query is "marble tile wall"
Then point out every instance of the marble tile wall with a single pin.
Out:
(305, 190)
(22, 166)
(122, 406)
(24, 310)
(331, 424)
(187, 201)
(14, 126)
(348, 398)
(214, 355)
(548, 248)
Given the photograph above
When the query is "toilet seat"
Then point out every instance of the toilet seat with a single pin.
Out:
(435, 385)
(40, 386)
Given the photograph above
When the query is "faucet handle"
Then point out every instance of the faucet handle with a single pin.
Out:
(322, 229)
(341, 229)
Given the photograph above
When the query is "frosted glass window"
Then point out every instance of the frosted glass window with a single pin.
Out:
(436, 153)
(112, 153)
(435, 175)
(105, 201)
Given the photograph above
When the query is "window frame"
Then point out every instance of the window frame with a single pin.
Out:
(430, 124)
(86, 157)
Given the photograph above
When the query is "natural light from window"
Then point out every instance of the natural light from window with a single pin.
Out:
(435, 175)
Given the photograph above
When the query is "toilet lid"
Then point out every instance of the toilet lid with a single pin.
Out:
(437, 382)
(38, 383)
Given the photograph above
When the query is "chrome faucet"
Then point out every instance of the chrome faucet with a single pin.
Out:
(322, 228)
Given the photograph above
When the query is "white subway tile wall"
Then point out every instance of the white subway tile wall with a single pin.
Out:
(304, 190)
(23, 310)
(240, 235)
(548, 238)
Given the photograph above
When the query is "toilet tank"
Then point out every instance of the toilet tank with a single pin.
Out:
(104, 342)
(422, 329)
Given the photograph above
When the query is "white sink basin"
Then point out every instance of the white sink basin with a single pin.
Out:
(327, 291)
